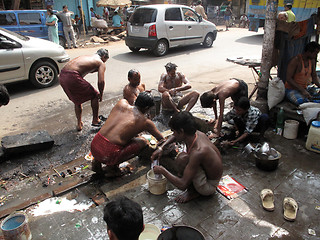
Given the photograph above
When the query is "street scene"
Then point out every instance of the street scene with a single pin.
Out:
(266, 184)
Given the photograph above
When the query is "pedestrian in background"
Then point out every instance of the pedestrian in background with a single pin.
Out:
(106, 13)
(82, 20)
(65, 16)
(116, 19)
(52, 23)
(200, 10)
(4, 95)
(291, 15)
(227, 17)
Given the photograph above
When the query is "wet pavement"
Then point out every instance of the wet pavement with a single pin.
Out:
(297, 176)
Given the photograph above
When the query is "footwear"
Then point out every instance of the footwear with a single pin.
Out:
(290, 209)
(102, 118)
(267, 199)
(97, 124)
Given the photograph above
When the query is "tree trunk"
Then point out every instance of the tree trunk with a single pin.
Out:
(267, 48)
(15, 4)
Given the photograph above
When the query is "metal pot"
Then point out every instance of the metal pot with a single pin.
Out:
(267, 164)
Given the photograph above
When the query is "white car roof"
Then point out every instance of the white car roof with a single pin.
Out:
(163, 6)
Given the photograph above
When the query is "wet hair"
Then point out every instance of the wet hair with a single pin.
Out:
(132, 72)
(185, 121)
(144, 100)
(207, 98)
(4, 95)
(243, 103)
(289, 5)
(170, 66)
(103, 53)
(312, 47)
(124, 218)
(50, 11)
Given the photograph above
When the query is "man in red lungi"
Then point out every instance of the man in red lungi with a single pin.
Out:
(78, 89)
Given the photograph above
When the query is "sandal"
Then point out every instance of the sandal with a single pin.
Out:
(267, 199)
(290, 209)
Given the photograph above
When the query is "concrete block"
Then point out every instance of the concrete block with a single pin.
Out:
(26, 142)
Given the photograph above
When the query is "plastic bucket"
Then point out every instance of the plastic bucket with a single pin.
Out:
(291, 129)
(156, 186)
(181, 233)
(15, 227)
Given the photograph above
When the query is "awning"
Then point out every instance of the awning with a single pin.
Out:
(113, 3)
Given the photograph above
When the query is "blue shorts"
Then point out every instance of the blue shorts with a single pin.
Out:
(297, 98)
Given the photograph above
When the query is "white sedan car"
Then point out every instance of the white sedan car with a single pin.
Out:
(28, 58)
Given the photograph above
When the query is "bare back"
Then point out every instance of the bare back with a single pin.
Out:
(85, 64)
(226, 89)
(124, 123)
(131, 93)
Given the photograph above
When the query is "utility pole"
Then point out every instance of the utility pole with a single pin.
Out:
(267, 49)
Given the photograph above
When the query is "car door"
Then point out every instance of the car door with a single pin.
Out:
(11, 61)
(193, 26)
(175, 26)
(31, 24)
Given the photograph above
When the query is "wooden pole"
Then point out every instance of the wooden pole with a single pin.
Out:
(82, 19)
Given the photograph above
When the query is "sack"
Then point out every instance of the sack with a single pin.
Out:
(276, 92)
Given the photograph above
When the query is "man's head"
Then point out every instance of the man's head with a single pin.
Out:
(242, 106)
(134, 77)
(79, 7)
(104, 54)
(65, 8)
(124, 219)
(288, 6)
(182, 123)
(199, 2)
(311, 50)
(283, 16)
(91, 9)
(207, 99)
(4, 95)
(171, 69)
(144, 101)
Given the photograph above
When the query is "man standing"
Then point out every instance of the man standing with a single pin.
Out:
(4, 96)
(200, 10)
(65, 16)
(117, 140)
(200, 167)
(301, 73)
(132, 90)
(171, 85)
(227, 17)
(291, 15)
(234, 88)
(78, 89)
(82, 21)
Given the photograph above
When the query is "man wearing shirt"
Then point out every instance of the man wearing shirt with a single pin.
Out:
(291, 15)
(65, 16)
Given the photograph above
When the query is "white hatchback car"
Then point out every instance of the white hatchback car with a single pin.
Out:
(162, 26)
(23, 57)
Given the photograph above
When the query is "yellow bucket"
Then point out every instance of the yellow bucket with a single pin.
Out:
(156, 186)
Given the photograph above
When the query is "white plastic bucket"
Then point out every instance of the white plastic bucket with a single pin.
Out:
(156, 186)
(15, 227)
(291, 129)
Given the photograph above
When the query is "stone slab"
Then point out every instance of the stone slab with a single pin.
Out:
(26, 142)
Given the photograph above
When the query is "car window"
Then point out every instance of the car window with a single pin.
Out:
(5, 38)
(173, 14)
(29, 18)
(190, 15)
(17, 35)
(7, 19)
(142, 16)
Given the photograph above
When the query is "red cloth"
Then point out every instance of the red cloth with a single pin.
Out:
(108, 153)
(303, 29)
(77, 89)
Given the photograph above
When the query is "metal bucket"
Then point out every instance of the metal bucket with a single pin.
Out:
(181, 233)
(15, 227)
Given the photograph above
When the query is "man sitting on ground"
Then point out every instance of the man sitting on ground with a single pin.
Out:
(4, 96)
(124, 219)
(200, 167)
(117, 140)
(246, 120)
(234, 88)
(132, 90)
(171, 85)
(301, 73)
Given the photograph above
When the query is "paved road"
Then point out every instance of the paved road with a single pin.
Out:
(31, 108)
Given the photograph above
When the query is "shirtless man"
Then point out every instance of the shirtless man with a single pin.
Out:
(78, 89)
(117, 140)
(171, 85)
(233, 88)
(200, 166)
(132, 90)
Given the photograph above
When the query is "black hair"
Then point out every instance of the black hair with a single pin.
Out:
(207, 98)
(185, 121)
(199, 2)
(243, 103)
(50, 11)
(4, 95)
(132, 72)
(312, 47)
(144, 100)
(64, 6)
(124, 218)
(289, 5)
(170, 66)
(103, 53)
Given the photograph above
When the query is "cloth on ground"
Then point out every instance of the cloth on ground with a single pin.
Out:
(77, 89)
(203, 185)
(310, 111)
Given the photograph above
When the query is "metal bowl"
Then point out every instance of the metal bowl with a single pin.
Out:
(268, 164)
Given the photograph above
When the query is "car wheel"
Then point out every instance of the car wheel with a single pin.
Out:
(43, 74)
(62, 41)
(161, 48)
(134, 49)
(208, 41)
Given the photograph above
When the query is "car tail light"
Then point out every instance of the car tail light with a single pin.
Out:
(152, 31)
